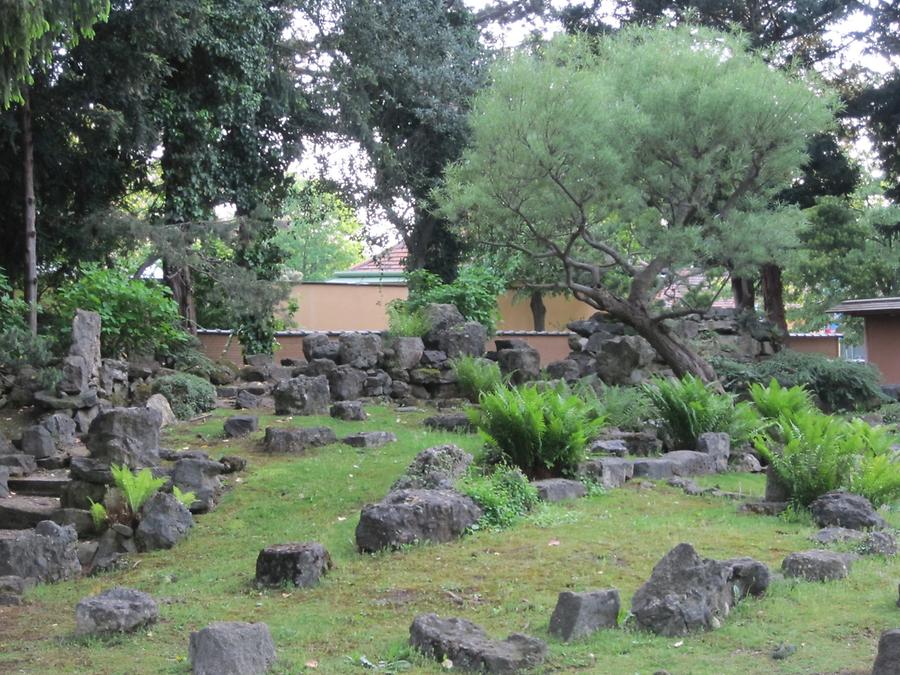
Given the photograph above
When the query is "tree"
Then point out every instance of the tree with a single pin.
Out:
(655, 150)
(321, 235)
(29, 32)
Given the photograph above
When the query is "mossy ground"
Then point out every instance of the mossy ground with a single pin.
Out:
(506, 581)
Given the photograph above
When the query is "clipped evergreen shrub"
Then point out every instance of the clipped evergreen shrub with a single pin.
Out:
(505, 495)
(188, 394)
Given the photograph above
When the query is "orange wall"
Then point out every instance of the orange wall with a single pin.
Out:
(883, 346)
(515, 312)
(829, 345)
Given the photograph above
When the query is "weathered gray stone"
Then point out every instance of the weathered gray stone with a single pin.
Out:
(126, 436)
(240, 425)
(75, 375)
(440, 318)
(118, 610)
(449, 422)
(114, 380)
(410, 516)
(369, 439)
(84, 416)
(608, 472)
(878, 543)
(23, 511)
(887, 661)
(360, 350)
(86, 341)
(111, 547)
(85, 399)
(45, 554)
(78, 494)
(349, 411)
(433, 358)
(346, 383)
(4, 482)
(232, 648)
(691, 463)
(466, 339)
(777, 489)
(377, 383)
(618, 358)
(835, 535)
(90, 470)
(200, 476)
(297, 440)
(747, 462)
(565, 369)
(617, 448)
(469, 648)
(80, 519)
(163, 523)
(300, 564)
(160, 403)
(817, 565)
(559, 489)
(844, 509)
(718, 446)
(579, 614)
(318, 367)
(640, 443)
(748, 577)
(435, 468)
(654, 468)
(319, 346)
(302, 396)
(18, 464)
(405, 352)
(522, 365)
(245, 400)
(37, 442)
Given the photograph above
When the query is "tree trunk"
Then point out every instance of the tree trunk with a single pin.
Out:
(744, 293)
(773, 296)
(30, 214)
(679, 356)
(179, 280)
(538, 311)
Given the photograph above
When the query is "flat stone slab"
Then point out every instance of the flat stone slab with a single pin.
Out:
(450, 422)
(297, 440)
(559, 489)
(22, 513)
(818, 565)
(609, 472)
(39, 484)
(369, 439)
(692, 463)
(118, 610)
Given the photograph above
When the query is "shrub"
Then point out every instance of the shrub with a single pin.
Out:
(890, 413)
(542, 432)
(188, 394)
(18, 347)
(775, 401)
(627, 408)
(476, 376)
(688, 407)
(474, 292)
(505, 495)
(13, 310)
(836, 384)
(138, 317)
(404, 321)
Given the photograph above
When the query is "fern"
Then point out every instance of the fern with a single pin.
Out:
(98, 514)
(185, 498)
(136, 488)
(627, 408)
(476, 376)
(776, 401)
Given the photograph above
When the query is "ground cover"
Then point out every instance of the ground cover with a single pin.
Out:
(505, 581)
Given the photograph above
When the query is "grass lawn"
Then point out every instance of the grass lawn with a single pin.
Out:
(506, 581)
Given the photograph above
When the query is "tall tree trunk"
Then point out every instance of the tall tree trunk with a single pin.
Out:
(744, 293)
(538, 311)
(773, 296)
(30, 214)
(179, 280)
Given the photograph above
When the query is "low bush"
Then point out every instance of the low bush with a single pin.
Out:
(541, 431)
(18, 347)
(505, 495)
(688, 407)
(836, 384)
(188, 394)
(476, 376)
(890, 413)
(474, 292)
(404, 321)
(775, 401)
(13, 309)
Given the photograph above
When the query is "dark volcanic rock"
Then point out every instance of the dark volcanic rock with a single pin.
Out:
(300, 564)
(297, 440)
(817, 565)
(302, 396)
(164, 522)
(887, 662)
(241, 425)
(435, 468)
(369, 439)
(449, 422)
(126, 436)
(118, 610)
(580, 614)
(46, 553)
(559, 489)
(232, 648)
(844, 509)
(349, 411)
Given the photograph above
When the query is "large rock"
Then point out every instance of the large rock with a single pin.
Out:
(118, 610)
(200, 476)
(466, 339)
(232, 648)
(240, 425)
(114, 380)
(18, 464)
(718, 446)
(86, 341)
(685, 593)
(579, 614)
(878, 543)
(470, 648)
(164, 522)
(435, 468)
(844, 509)
(405, 353)
(360, 350)
(297, 440)
(346, 383)
(369, 439)
(522, 365)
(302, 396)
(298, 564)
(126, 436)
(377, 383)
(113, 544)
(887, 662)
(608, 472)
(449, 422)
(62, 429)
(692, 463)
(160, 403)
(836, 535)
(411, 516)
(559, 489)
(38, 442)
(319, 346)
(75, 375)
(350, 411)
(817, 565)
(24, 511)
(440, 318)
(78, 494)
(617, 359)
(45, 554)
(90, 470)
(565, 369)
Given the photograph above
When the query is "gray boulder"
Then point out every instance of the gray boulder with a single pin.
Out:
(349, 411)
(232, 648)
(559, 489)
(718, 446)
(466, 339)
(836, 535)
(90, 470)
(817, 565)
(377, 383)
(297, 440)
(565, 369)
(405, 353)
(37, 442)
(160, 403)
(844, 509)
(62, 428)
(887, 662)
(45, 554)
(245, 400)
(692, 463)
(369, 439)
(601, 446)
(302, 396)
(75, 375)
(878, 543)
(440, 318)
(522, 365)
(346, 383)
(298, 564)
(360, 350)
(164, 521)
(126, 436)
(118, 610)
(200, 476)
(618, 358)
(18, 464)
(318, 367)
(579, 614)
(685, 593)
(747, 462)
(654, 468)
(470, 648)
(415, 516)
(435, 468)
(240, 425)
(86, 341)
(748, 577)
(449, 422)
(78, 494)
(320, 346)
(608, 472)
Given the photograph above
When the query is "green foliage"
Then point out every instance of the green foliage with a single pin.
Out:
(540, 431)
(12, 309)
(185, 498)
(99, 514)
(474, 292)
(835, 383)
(878, 479)
(18, 347)
(505, 495)
(404, 321)
(188, 394)
(136, 488)
(688, 407)
(627, 408)
(477, 376)
(775, 401)
(138, 317)
(890, 413)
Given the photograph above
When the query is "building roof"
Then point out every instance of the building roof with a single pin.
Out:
(390, 261)
(867, 306)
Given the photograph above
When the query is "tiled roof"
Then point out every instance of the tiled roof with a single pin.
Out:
(865, 306)
(389, 260)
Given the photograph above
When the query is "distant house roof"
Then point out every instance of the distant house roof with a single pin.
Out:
(867, 307)
(390, 261)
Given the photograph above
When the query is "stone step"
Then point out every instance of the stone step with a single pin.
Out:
(21, 513)
(39, 484)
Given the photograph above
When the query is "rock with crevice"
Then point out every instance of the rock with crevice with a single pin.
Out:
(298, 564)
(126, 437)
(302, 396)
(46, 553)
(164, 521)
(349, 411)
(118, 610)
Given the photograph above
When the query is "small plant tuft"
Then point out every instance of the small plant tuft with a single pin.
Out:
(477, 376)
(136, 488)
(505, 495)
